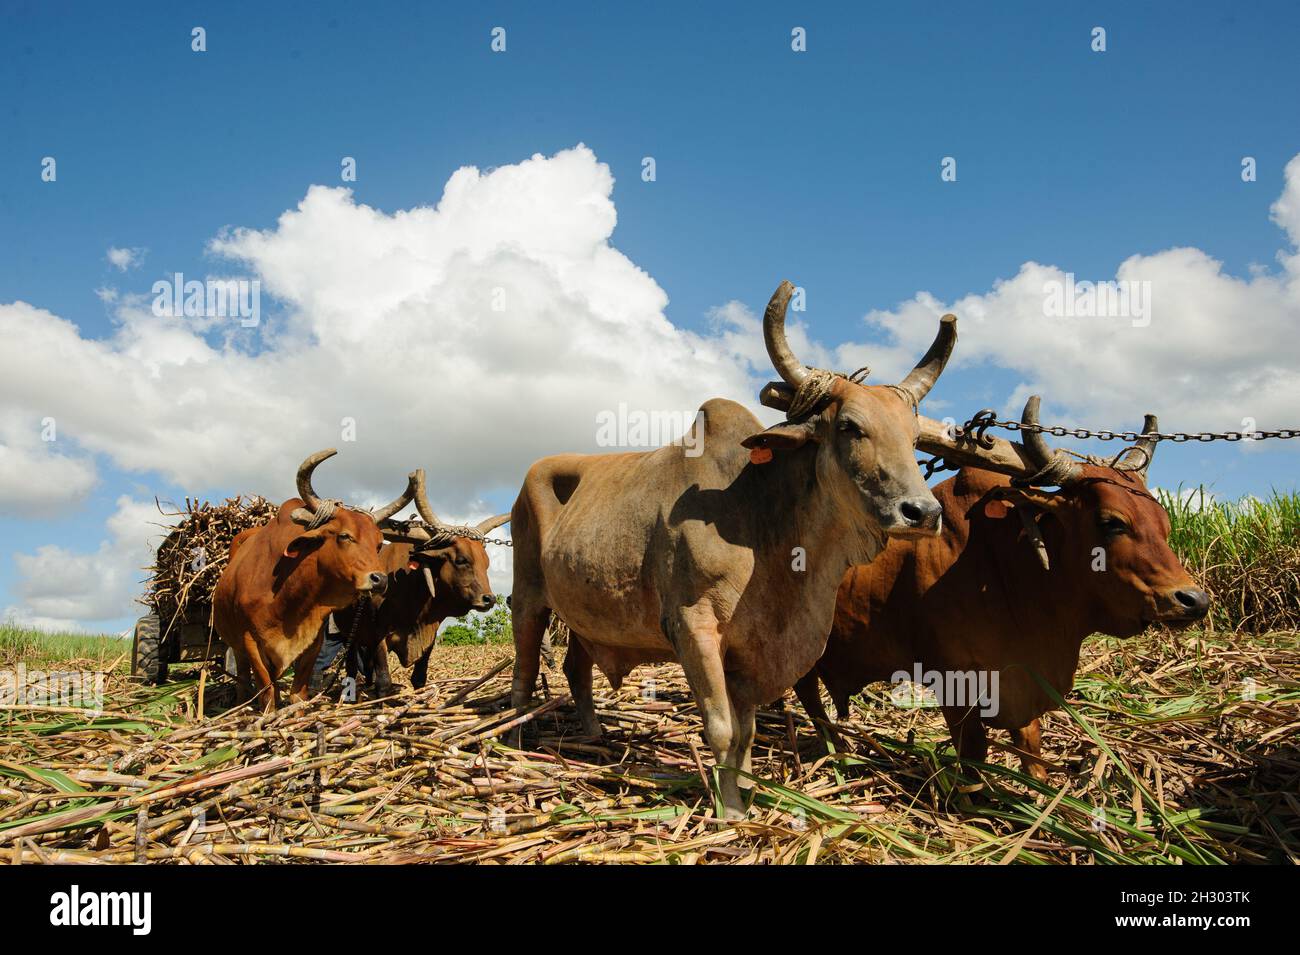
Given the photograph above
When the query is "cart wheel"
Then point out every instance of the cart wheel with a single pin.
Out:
(147, 653)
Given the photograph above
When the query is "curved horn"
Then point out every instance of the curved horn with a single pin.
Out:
(388, 510)
(921, 379)
(1039, 452)
(1146, 447)
(422, 500)
(490, 524)
(305, 491)
(778, 349)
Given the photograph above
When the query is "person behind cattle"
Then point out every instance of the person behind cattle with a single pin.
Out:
(435, 571)
(284, 578)
(1017, 580)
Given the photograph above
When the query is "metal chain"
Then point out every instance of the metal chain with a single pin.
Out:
(984, 419)
(466, 532)
(936, 464)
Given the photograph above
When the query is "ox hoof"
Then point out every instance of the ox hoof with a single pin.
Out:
(734, 813)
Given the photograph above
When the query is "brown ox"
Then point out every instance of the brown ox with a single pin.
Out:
(439, 571)
(284, 578)
(727, 561)
(1017, 580)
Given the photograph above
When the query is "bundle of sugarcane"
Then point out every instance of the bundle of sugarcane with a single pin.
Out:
(191, 558)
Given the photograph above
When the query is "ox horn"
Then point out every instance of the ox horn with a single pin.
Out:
(305, 490)
(1030, 460)
(488, 525)
(388, 510)
(1041, 454)
(1144, 451)
(921, 379)
(422, 500)
(778, 349)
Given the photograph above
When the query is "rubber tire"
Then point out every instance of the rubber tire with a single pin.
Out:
(147, 651)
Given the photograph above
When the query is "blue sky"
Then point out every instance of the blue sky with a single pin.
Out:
(821, 166)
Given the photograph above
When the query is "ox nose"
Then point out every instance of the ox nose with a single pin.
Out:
(1194, 601)
(486, 602)
(378, 582)
(917, 514)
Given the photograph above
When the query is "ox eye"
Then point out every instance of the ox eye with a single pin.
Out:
(1113, 526)
(345, 536)
(849, 426)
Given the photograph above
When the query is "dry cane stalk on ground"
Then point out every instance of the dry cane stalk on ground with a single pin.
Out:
(1177, 749)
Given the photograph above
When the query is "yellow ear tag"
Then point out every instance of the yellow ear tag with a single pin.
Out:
(760, 455)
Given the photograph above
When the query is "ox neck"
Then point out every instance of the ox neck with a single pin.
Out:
(298, 623)
(834, 531)
(1046, 602)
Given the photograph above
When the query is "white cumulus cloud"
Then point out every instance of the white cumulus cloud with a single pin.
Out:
(61, 587)
(1218, 350)
(38, 477)
(474, 336)
(124, 259)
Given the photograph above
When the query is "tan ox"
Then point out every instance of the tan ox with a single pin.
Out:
(284, 578)
(1004, 598)
(727, 562)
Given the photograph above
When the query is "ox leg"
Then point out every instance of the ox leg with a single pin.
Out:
(420, 672)
(381, 677)
(808, 690)
(701, 657)
(529, 625)
(742, 742)
(302, 670)
(1030, 739)
(577, 670)
(244, 678)
(267, 693)
(967, 733)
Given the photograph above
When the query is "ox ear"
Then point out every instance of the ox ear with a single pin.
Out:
(302, 542)
(785, 436)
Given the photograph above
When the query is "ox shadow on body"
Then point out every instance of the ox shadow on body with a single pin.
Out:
(436, 571)
(1018, 579)
(283, 579)
(654, 556)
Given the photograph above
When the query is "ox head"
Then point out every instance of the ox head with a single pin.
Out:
(1104, 510)
(451, 561)
(343, 543)
(865, 434)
